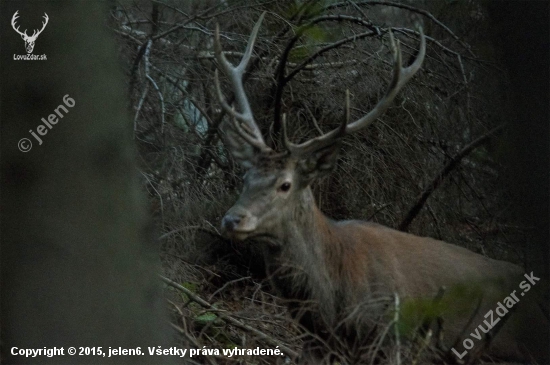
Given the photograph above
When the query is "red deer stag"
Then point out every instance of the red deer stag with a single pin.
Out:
(338, 276)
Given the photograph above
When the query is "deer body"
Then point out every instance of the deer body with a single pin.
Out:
(341, 277)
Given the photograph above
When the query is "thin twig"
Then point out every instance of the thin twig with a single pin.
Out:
(226, 285)
(189, 338)
(146, 89)
(438, 179)
(229, 319)
(327, 48)
(407, 7)
(158, 194)
(396, 328)
(161, 97)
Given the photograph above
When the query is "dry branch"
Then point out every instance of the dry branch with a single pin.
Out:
(230, 320)
(446, 170)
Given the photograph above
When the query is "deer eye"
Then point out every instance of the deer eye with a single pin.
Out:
(285, 186)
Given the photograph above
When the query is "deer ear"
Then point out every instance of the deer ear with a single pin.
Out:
(241, 151)
(319, 163)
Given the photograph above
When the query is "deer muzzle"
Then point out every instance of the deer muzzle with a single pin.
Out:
(238, 224)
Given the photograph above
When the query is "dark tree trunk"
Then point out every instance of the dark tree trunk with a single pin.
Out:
(77, 267)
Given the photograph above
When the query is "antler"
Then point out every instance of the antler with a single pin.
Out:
(400, 77)
(250, 132)
(36, 33)
(13, 20)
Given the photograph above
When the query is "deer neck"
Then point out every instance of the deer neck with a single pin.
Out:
(300, 266)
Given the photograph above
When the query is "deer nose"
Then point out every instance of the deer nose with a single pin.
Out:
(230, 221)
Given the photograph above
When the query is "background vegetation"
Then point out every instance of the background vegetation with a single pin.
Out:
(433, 164)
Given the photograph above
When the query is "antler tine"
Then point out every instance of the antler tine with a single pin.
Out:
(400, 77)
(245, 134)
(235, 75)
(13, 24)
(44, 23)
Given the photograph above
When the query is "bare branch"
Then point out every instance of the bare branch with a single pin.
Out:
(446, 170)
(229, 319)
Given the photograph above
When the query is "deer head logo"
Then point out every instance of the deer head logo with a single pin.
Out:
(29, 40)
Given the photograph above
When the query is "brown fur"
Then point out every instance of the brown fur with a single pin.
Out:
(341, 277)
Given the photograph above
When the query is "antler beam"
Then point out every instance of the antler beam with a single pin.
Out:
(250, 131)
(44, 23)
(24, 34)
(401, 76)
(16, 28)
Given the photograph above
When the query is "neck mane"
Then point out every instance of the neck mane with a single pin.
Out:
(300, 268)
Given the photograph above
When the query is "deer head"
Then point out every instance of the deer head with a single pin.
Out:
(276, 184)
(29, 40)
